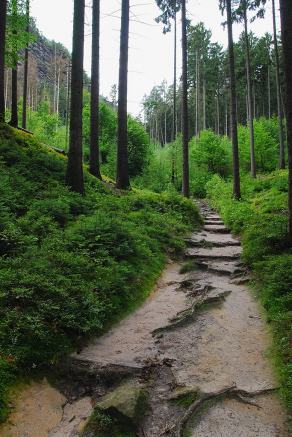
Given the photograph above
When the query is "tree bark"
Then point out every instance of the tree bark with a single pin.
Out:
(185, 115)
(14, 109)
(123, 181)
(286, 21)
(67, 104)
(74, 175)
(278, 88)
(3, 10)
(94, 165)
(249, 96)
(25, 75)
(174, 79)
(269, 92)
(233, 108)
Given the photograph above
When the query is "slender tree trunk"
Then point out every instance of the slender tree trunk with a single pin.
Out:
(218, 114)
(174, 79)
(74, 175)
(226, 117)
(55, 79)
(58, 91)
(233, 108)
(197, 94)
(278, 88)
(25, 76)
(3, 9)
(94, 165)
(249, 96)
(123, 181)
(67, 105)
(6, 89)
(185, 115)
(14, 109)
(286, 21)
(269, 90)
(204, 105)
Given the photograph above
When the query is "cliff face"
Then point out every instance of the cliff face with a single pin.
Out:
(48, 74)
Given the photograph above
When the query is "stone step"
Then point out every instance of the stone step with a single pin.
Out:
(212, 240)
(225, 267)
(214, 217)
(213, 222)
(220, 229)
(223, 253)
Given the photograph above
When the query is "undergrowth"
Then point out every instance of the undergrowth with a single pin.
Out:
(261, 218)
(71, 265)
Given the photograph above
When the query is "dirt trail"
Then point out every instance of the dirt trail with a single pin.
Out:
(196, 348)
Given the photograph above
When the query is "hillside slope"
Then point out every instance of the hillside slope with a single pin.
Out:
(70, 265)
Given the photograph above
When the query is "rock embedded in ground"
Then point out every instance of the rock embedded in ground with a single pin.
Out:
(129, 399)
(224, 253)
(217, 228)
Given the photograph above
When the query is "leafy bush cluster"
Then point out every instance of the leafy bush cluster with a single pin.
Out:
(70, 264)
(210, 154)
(261, 218)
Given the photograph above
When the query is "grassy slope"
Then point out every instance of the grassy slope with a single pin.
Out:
(70, 265)
(261, 218)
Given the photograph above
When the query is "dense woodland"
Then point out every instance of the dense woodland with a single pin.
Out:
(94, 200)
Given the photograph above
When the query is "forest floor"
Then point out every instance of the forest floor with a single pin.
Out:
(191, 361)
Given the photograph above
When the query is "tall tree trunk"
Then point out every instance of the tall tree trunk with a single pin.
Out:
(174, 79)
(58, 90)
(123, 181)
(218, 113)
(6, 89)
(94, 165)
(67, 105)
(197, 93)
(286, 20)
(185, 114)
(204, 105)
(14, 80)
(74, 175)
(233, 108)
(3, 9)
(249, 96)
(14, 109)
(25, 76)
(269, 91)
(278, 88)
(55, 79)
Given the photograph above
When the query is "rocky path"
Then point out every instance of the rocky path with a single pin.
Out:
(190, 362)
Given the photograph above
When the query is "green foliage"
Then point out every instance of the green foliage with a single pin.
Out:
(266, 145)
(261, 218)
(70, 265)
(138, 140)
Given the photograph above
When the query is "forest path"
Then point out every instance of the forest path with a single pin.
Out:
(194, 352)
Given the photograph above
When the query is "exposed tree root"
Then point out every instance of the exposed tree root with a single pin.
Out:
(231, 392)
(188, 315)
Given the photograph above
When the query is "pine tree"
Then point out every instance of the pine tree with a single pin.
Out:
(25, 78)
(286, 22)
(3, 10)
(74, 174)
(185, 114)
(226, 4)
(123, 181)
(94, 166)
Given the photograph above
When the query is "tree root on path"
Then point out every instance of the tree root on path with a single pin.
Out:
(188, 315)
(227, 392)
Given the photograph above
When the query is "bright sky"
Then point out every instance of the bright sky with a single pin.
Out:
(150, 56)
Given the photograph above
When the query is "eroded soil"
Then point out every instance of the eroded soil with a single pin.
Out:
(197, 348)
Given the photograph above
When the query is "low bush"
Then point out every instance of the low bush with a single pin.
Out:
(69, 264)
